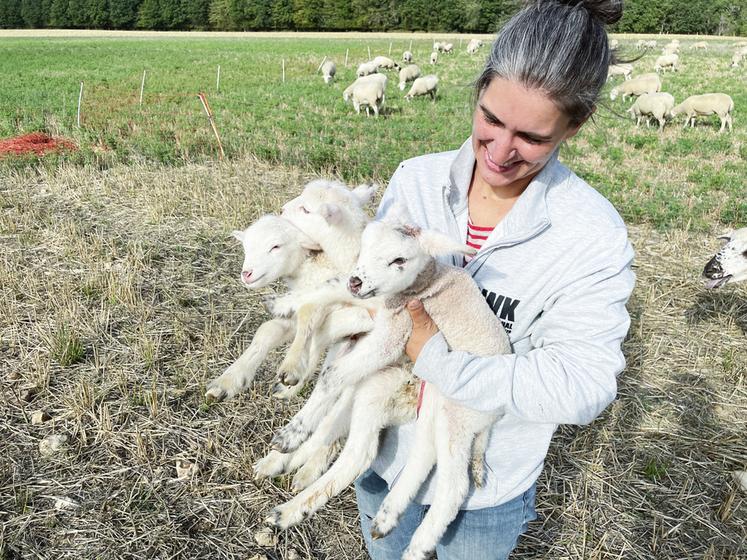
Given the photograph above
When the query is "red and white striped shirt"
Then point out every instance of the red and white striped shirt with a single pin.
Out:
(476, 236)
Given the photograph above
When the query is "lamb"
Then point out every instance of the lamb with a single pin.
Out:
(408, 74)
(706, 104)
(275, 249)
(473, 46)
(699, 45)
(437, 46)
(329, 69)
(657, 105)
(623, 69)
(434, 57)
(385, 62)
(407, 56)
(447, 48)
(425, 85)
(645, 83)
(640, 44)
(736, 59)
(730, 263)
(614, 44)
(398, 263)
(667, 61)
(366, 68)
(649, 44)
(368, 91)
(670, 49)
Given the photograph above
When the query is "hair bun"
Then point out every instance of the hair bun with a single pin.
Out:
(606, 11)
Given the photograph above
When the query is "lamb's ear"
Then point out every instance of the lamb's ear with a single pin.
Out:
(396, 213)
(364, 193)
(437, 244)
(331, 212)
(238, 234)
(308, 243)
(726, 236)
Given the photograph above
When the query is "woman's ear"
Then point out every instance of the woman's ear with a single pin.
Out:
(573, 130)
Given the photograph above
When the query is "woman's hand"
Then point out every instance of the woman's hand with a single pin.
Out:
(423, 328)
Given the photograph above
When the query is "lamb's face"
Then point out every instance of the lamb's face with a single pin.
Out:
(389, 262)
(271, 251)
(730, 263)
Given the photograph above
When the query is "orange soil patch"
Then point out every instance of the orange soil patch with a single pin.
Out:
(34, 143)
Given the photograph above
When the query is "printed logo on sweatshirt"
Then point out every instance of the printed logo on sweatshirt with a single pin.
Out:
(504, 308)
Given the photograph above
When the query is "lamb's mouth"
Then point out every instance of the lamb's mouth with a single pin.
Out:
(253, 280)
(711, 283)
(366, 295)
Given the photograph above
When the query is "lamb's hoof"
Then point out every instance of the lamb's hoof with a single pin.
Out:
(284, 392)
(273, 464)
(215, 394)
(304, 477)
(414, 555)
(288, 440)
(375, 535)
(284, 517)
(381, 526)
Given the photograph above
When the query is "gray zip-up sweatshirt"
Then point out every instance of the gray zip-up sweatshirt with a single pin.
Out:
(557, 271)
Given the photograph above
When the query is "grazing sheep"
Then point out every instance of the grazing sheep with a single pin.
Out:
(474, 45)
(667, 61)
(614, 44)
(366, 68)
(425, 85)
(657, 105)
(437, 46)
(434, 57)
(669, 49)
(447, 48)
(329, 69)
(385, 62)
(730, 263)
(736, 59)
(445, 431)
(645, 83)
(408, 74)
(622, 69)
(706, 104)
(640, 44)
(700, 45)
(368, 91)
(407, 56)
(649, 44)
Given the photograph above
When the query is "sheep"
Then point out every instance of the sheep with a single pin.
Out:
(622, 69)
(614, 44)
(473, 46)
(667, 61)
(437, 46)
(706, 104)
(730, 263)
(447, 48)
(657, 105)
(640, 44)
(425, 85)
(669, 49)
(408, 74)
(645, 83)
(407, 56)
(445, 431)
(650, 44)
(385, 62)
(736, 59)
(434, 57)
(329, 69)
(276, 249)
(368, 91)
(366, 68)
(700, 45)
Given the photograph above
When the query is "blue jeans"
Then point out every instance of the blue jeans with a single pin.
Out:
(484, 534)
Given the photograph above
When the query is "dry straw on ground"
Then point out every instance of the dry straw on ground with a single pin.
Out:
(119, 299)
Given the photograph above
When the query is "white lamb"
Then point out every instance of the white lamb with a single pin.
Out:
(329, 69)
(437, 46)
(645, 83)
(275, 249)
(397, 263)
(367, 91)
(434, 57)
(408, 74)
(447, 48)
(425, 85)
(736, 59)
(649, 44)
(366, 68)
(657, 105)
(385, 62)
(730, 263)
(706, 104)
(667, 61)
(622, 69)
(407, 57)
(700, 45)
(614, 44)
(473, 46)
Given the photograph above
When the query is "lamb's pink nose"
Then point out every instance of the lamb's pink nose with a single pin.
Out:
(246, 276)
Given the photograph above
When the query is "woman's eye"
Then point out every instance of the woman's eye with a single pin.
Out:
(399, 261)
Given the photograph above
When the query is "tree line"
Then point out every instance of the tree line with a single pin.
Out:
(709, 17)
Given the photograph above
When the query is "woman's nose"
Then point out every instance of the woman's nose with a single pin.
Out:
(501, 148)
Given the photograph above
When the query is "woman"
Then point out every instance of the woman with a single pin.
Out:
(554, 263)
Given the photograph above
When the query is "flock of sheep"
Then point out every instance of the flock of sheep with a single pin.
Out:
(652, 102)
(369, 89)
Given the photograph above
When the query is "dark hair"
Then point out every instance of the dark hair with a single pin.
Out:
(559, 47)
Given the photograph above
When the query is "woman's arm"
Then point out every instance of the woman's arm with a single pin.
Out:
(569, 376)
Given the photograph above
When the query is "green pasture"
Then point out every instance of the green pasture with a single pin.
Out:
(691, 178)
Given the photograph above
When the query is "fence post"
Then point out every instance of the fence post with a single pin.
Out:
(283, 70)
(217, 81)
(346, 57)
(80, 100)
(142, 87)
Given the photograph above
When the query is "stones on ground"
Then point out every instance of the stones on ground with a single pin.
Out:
(266, 537)
(740, 477)
(53, 445)
(39, 417)
(186, 469)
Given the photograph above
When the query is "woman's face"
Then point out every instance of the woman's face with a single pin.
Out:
(514, 132)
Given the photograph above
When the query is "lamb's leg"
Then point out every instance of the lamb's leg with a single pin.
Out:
(477, 459)
(240, 374)
(372, 410)
(308, 318)
(452, 484)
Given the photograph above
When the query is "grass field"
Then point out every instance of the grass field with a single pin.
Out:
(119, 300)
